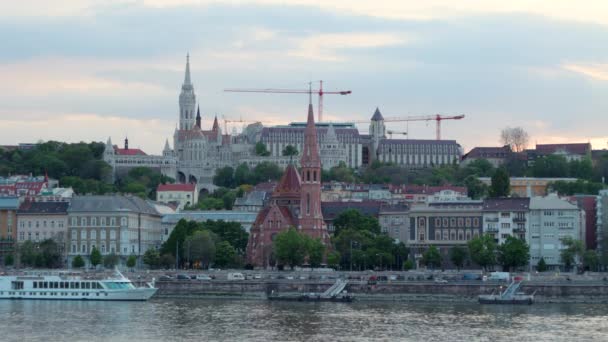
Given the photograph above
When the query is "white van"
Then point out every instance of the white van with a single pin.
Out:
(503, 276)
(236, 276)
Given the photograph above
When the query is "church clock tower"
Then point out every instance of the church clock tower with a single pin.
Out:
(187, 101)
(310, 216)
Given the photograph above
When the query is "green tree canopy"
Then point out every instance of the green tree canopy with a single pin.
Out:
(500, 186)
(572, 252)
(78, 262)
(353, 219)
(225, 254)
(542, 265)
(315, 249)
(151, 258)
(431, 257)
(200, 248)
(261, 150)
(458, 256)
(290, 247)
(513, 253)
(131, 261)
(95, 257)
(482, 250)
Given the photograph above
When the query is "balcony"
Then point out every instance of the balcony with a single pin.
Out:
(519, 230)
(491, 230)
(490, 219)
(519, 219)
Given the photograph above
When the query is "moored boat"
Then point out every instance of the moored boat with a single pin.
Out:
(70, 286)
(509, 296)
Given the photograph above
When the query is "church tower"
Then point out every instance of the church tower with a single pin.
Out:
(310, 217)
(187, 101)
(378, 132)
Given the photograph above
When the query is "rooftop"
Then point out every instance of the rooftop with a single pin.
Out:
(111, 203)
(56, 207)
(176, 187)
(506, 204)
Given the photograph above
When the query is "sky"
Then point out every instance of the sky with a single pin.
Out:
(88, 69)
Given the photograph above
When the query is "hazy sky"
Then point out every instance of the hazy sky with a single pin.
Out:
(89, 69)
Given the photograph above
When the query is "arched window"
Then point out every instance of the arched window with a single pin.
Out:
(308, 176)
(307, 203)
(314, 176)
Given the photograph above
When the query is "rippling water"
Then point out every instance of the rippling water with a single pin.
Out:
(216, 320)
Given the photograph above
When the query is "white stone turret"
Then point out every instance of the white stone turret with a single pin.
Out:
(187, 101)
(377, 130)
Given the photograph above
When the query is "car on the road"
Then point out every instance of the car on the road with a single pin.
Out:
(182, 277)
(440, 280)
(201, 277)
(257, 276)
(165, 278)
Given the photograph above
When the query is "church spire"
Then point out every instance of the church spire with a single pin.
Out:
(216, 126)
(198, 117)
(187, 77)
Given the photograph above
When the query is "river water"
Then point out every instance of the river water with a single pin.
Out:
(235, 320)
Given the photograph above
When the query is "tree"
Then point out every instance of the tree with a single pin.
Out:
(131, 261)
(333, 259)
(476, 189)
(513, 253)
(261, 150)
(315, 250)
(458, 256)
(151, 258)
(500, 186)
(408, 265)
(290, 151)
(551, 166)
(9, 260)
(225, 254)
(28, 253)
(542, 265)
(400, 254)
(482, 250)
(167, 261)
(110, 260)
(200, 248)
(571, 252)
(224, 177)
(431, 257)
(95, 257)
(77, 262)
(516, 137)
(591, 260)
(353, 219)
(290, 247)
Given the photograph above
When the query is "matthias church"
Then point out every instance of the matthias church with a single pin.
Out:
(198, 151)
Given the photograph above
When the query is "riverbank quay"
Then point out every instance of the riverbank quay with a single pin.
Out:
(388, 291)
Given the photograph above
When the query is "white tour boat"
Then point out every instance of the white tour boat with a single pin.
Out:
(70, 286)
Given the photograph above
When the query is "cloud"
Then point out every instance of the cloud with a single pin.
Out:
(595, 71)
(326, 47)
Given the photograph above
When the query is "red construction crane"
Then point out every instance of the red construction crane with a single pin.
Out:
(437, 117)
(319, 92)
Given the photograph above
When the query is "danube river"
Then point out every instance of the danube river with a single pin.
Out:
(232, 320)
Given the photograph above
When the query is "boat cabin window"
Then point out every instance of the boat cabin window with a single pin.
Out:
(17, 285)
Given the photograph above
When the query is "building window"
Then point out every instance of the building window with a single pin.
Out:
(112, 234)
(93, 221)
(83, 221)
(83, 234)
(102, 234)
(123, 221)
(437, 235)
(74, 221)
(83, 249)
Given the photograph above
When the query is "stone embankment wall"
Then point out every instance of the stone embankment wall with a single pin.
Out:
(405, 291)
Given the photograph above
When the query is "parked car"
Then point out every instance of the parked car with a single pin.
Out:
(236, 276)
(500, 276)
(440, 280)
(165, 278)
(183, 277)
(471, 276)
(201, 277)
(257, 276)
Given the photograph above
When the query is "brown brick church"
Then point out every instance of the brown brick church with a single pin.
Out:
(295, 202)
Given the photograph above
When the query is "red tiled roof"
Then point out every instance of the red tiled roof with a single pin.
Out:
(129, 152)
(424, 189)
(488, 152)
(289, 185)
(176, 187)
(582, 148)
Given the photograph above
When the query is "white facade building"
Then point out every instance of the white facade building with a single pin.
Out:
(552, 219)
(123, 225)
(182, 194)
(504, 217)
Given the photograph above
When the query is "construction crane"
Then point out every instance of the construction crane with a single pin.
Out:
(437, 118)
(390, 133)
(319, 92)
